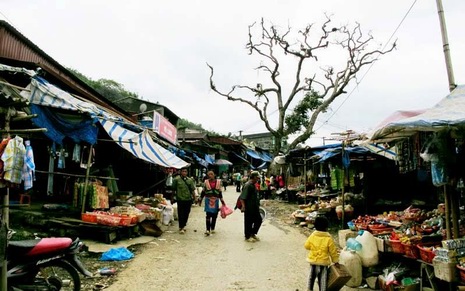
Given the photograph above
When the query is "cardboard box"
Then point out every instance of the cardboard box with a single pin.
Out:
(344, 235)
(338, 277)
(445, 271)
(384, 245)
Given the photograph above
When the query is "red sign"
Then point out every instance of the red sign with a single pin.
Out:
(164, 128)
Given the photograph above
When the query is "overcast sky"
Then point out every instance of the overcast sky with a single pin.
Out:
(159, 50)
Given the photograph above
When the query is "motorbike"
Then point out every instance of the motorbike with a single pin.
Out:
(45, 264)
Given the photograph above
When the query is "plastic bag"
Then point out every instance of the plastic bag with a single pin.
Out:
(225, 211)
(117, 254)
(238, 203)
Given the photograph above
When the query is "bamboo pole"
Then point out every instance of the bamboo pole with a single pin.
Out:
(343, 185)
(305, 173)
(455, 217)
(5, 214)
(445, 45)
(89, 159)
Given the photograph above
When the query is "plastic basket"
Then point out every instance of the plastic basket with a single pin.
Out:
(89, 217)
(411, 251)
(397, 246)
(125, 221)
(427, 255)
(110, 220)
(380, 229)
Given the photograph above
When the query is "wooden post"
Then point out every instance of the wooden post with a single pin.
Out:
(50, 176)
(343, 185)
(89, 159)
(305, 173)
(5, 212)
(447, 211)
(454, 212)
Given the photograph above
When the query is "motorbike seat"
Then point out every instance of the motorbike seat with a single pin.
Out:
(38, 246)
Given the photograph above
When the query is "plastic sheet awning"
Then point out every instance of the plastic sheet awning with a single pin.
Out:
(41, 92)
(253, 154)
(142, 146)
(199, 160)
(241, 157)
(223, 162)
(447, 113)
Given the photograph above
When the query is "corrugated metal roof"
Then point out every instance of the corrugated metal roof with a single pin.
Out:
(15, 46)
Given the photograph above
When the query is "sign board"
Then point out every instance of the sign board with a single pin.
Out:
(164, 128)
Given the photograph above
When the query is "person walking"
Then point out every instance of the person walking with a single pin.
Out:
(238, 181)
(224, 178)
(184, 188)
(250, 206)
(213, 195)
(322, 252)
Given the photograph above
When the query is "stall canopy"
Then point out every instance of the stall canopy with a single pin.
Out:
(43, 95)
(142, 146)
(253, 154)
(40, 92)
(200, 161)
(347, 151)
(447, 113)
(240, 157)
(221, 162)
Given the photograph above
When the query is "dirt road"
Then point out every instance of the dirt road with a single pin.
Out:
(222, 261)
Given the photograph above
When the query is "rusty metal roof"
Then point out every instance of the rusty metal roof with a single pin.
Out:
(16, 48)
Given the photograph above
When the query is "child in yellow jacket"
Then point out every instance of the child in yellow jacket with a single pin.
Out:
(322, 253)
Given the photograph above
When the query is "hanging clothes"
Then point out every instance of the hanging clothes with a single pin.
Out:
(3, 145)
(61, 158)
(29, 166)
(13, 158)
(76, 153)
(85, 157)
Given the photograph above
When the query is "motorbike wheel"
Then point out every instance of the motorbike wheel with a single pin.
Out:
(59, 275)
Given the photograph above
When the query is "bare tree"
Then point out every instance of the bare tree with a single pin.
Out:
(312, 92)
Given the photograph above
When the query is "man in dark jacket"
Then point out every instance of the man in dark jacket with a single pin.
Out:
(251, 208)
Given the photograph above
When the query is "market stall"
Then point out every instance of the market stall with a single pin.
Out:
(445, 122)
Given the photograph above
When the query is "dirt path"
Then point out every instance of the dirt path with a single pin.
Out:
(223, 261)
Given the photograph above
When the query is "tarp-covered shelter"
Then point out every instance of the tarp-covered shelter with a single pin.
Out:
(42, 94)
(449, 113)
(445, 120)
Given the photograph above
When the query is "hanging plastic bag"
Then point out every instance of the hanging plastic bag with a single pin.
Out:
(438, 174)
(117, 254)
(225, 211)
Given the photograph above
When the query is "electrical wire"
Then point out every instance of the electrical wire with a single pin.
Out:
(371, 65)
(326, 122)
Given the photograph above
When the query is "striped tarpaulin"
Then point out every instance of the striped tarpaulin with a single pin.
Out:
(142, 146)
(40, 92)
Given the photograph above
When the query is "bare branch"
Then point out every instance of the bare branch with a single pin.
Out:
(326, 83)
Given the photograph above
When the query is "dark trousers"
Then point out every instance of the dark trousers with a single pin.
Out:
(210, 222)
(238, 186)
(320, 273)
(252, 222)
(184, 209)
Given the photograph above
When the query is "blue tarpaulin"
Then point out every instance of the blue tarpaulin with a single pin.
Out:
(253, 154)
(331, 152)
(59, 125)
(199, 160)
